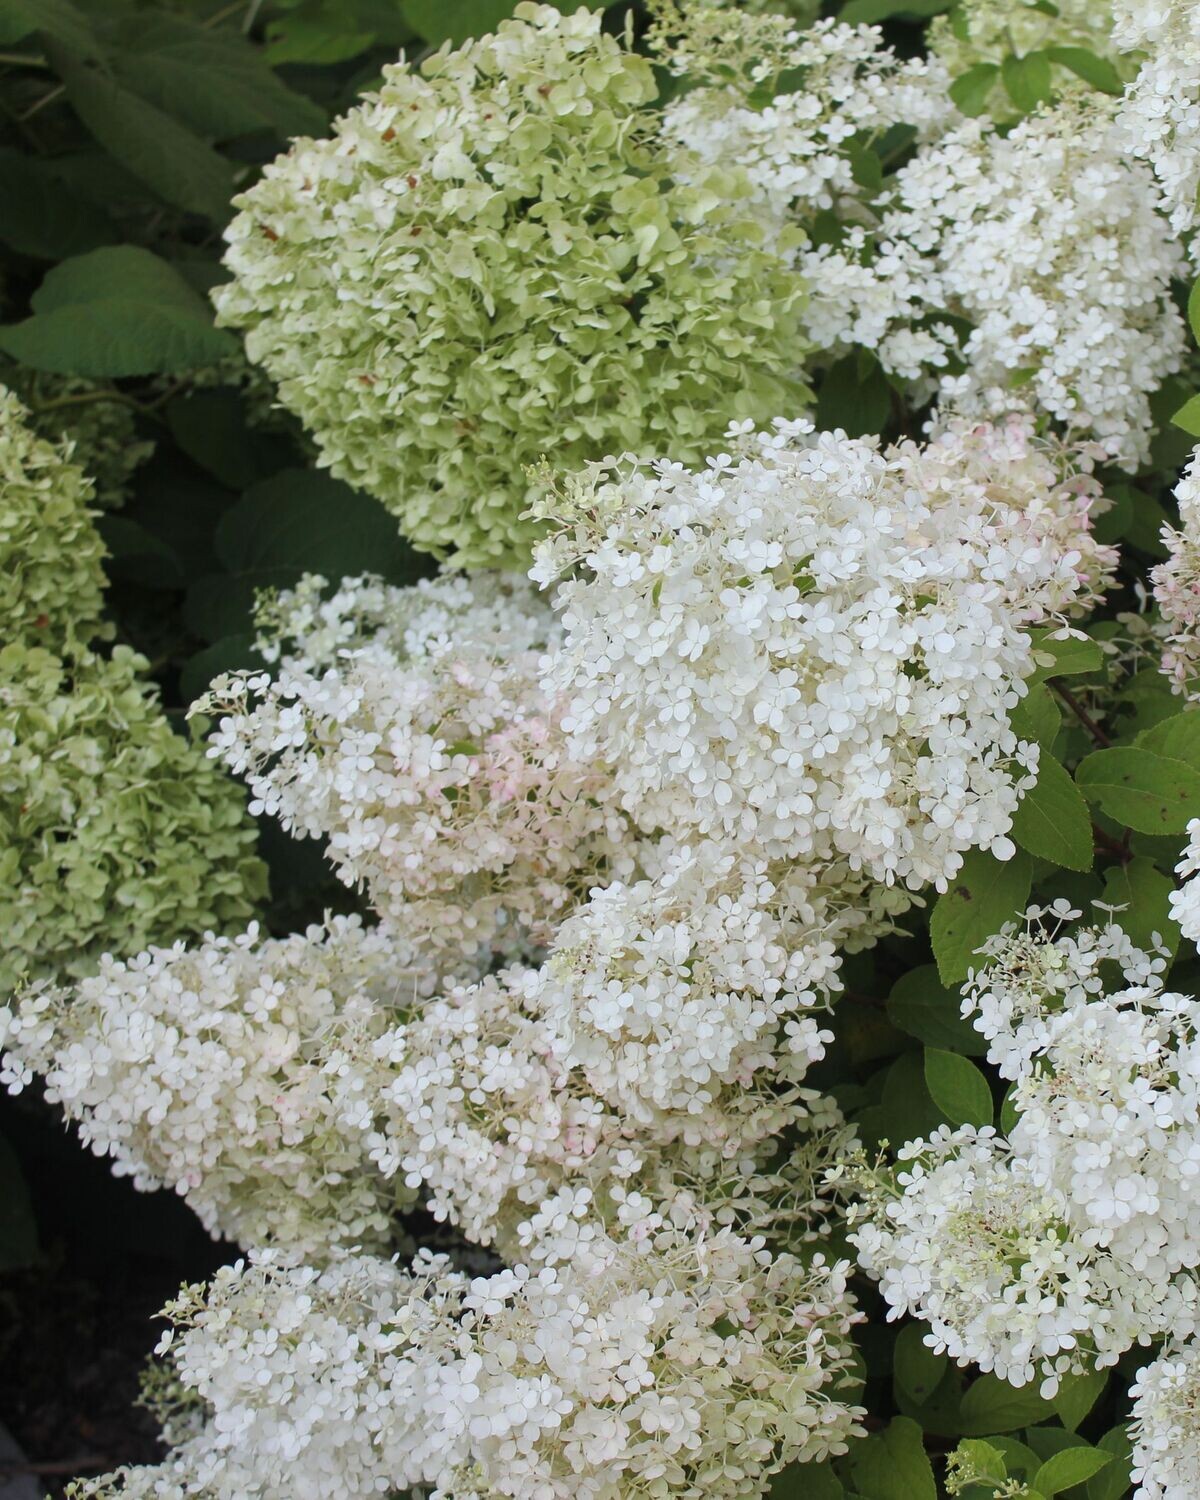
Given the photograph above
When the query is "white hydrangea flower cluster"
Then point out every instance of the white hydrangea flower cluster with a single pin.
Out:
(206, 1069)
(1165, 1430)
(842, 88)
(1185, 898)
(480, 1102)
(1160, 112)
(411, 732)
(670, 994)
(1177, 586)
(814, 644)
(1047, 241)
(679, 1356)
(973, 1246)
(797, 112)
(1077, 1237)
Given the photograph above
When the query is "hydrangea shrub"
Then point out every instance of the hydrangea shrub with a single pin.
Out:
(763, 1059)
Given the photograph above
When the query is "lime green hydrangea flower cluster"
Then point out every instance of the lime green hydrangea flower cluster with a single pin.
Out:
(113, 829)
(101, 429)
(489, 262)
(51, 555)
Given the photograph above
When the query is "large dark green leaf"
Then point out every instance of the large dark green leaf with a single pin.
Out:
(1151, 793)
(1052, 820)
(985, 894)
(54, 18)
(117, 311)
(293, 523)
(168, 157)
(40, 216)
(212, 80)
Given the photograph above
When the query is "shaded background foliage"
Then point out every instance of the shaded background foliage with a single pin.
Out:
(125, 127)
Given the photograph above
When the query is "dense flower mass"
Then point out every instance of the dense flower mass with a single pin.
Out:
(207, 1069)
(51, 555)
(1160, 111)
(1177, 586)
(411, 732)
(664, 990)
(815, 643)
(1164, 1431)
(799, 151)
(669, 852)
(1046, 241)
(113, 829)
(490, 250)
(1061, 1247)
(673, 1356)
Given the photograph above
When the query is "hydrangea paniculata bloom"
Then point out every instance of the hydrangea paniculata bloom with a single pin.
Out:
(207, 1069)
(680, 1356)
(1078, 1236)
(1165, 1426)
(968, 1241)
(1160, 112)
(1047, 241)
(815, 644)
(489, 261)
(411, 732)
(1177, 586)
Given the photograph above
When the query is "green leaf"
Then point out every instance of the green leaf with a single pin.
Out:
(985, 894)
(1112, 1483)
(1193, 310)
(232, 653)
(1008, 1112)
(922, 1006)
(1148, 792)
(1066, 658)
(958, 1088)
(214, 81)
(454, 21)
(856, 402)
(868, 12)
(971, 90)
(1038, 717)
(1177, 737)
(806, 1482)
(905, 1111)
(117, 311)
(893, 1464)
(160, 152)
(55, 18)
(1076, 1396)
(1052, 820)
(210, 426)
(992, 1405)
(1144, 891)
(313, 40)
(1188, 416)
(138, 556)
(1070, 1467)
(1027, 79)
(916, 1369)
(298, 521)
(40, 217)
(1097, 71)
